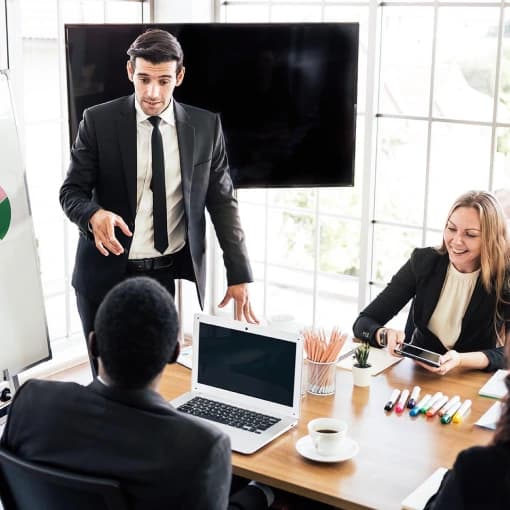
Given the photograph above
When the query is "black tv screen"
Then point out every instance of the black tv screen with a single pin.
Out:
(286, 92)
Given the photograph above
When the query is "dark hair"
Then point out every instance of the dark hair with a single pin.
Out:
(136, 330)
(156, 46)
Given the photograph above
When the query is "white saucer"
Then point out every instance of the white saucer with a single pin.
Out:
(306, 448)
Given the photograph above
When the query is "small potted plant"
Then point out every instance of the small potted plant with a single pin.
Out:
(361, 369)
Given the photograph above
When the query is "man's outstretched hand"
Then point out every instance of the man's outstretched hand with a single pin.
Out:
(103, 225)
(239, 293)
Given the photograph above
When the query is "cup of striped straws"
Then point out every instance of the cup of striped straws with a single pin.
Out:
(321, 359)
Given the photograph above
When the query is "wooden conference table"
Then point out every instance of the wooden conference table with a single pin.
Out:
(397, 452)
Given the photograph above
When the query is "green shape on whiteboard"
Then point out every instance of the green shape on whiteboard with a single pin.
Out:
(5, 214)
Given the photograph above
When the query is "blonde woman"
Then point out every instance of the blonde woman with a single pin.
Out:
(460, 292)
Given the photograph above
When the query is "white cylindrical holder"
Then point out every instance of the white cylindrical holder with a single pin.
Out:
(361, 376)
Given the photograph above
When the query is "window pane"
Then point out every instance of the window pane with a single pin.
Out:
(41, 97)
(502, 159)
(253, 219)
(56, 316)
(248, 13)
(123, 12)
(465, 63)
(459, 161)
(290, 292)
(84, 11)
(392, 248)
(435, 237)
(401, 163)
(337, 303)
(303, 198)
(292, 240)
(39, 19)
(296, 12)
(256, 196)
(343, 201)
(504, 90)
(406, 54)
(43, 164)
(337, 1)
(339, 247)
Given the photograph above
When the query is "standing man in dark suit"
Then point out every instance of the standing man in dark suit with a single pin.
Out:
(119, 427)
(143, 170)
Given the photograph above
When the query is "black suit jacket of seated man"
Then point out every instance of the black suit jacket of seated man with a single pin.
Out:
(163, 458)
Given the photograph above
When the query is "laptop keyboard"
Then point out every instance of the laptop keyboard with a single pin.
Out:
(228, 415)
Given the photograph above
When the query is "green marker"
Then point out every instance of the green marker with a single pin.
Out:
(447, 417)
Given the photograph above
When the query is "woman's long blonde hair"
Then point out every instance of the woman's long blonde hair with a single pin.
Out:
(495, 245)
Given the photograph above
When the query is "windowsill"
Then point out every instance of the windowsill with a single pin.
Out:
(67, 353)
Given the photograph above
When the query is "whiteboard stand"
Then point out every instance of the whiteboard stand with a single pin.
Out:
(13, 379)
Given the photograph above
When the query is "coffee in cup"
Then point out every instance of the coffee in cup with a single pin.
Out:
(327, 435)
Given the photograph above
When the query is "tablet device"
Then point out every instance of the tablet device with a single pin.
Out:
(420, 354)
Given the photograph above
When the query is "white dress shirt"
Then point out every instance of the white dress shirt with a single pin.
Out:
(142, 245)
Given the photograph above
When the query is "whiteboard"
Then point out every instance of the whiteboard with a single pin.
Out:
(24, 337)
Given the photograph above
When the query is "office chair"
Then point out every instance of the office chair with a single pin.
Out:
(28, 486)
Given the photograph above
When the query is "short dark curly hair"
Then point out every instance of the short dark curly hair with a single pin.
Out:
(156, 46)
(136, 330)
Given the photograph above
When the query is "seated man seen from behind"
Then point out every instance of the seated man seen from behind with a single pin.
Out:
(119, 427)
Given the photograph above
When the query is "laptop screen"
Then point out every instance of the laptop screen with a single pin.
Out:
(243, 362)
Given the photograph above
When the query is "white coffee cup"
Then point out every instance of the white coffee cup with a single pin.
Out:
(327, 435)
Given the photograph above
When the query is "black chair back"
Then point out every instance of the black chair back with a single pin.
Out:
(28, 486)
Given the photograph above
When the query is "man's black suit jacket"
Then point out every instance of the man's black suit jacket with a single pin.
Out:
(102, 174)
(162, 458)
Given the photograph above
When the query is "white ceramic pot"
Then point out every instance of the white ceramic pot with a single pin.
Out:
(361, 376)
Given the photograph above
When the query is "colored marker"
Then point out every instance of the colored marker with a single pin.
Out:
(415, 411)
(435, 408)
(464, 408)
(431, 402)
(391, 402)
(401, 404)
(447, 418)
(449, 405)
(414, 397)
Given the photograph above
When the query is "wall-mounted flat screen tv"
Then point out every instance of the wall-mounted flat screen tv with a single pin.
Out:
(286, 92)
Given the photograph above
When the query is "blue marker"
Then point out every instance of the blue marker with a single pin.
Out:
(415, 411)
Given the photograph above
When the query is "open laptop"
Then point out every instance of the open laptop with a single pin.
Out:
(245, 378)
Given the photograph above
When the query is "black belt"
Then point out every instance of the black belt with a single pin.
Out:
(147, 265)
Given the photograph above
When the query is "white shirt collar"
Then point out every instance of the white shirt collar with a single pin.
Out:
(166, 115)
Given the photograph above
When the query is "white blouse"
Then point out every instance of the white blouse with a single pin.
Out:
(446, 321)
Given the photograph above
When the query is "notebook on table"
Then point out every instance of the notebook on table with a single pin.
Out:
(419, 497)
(495, 387)
(245, 378)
